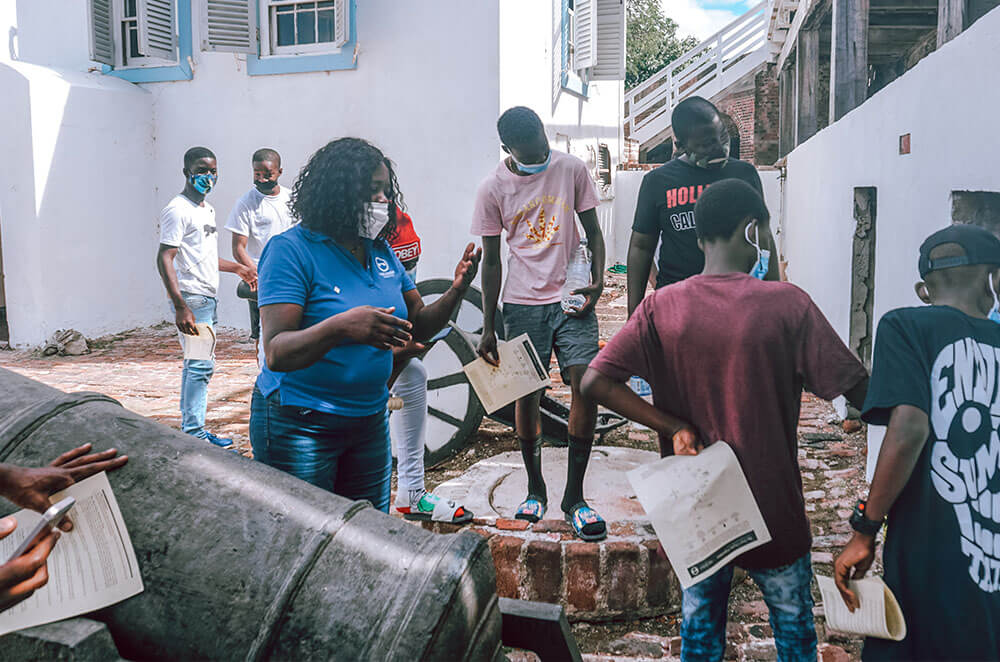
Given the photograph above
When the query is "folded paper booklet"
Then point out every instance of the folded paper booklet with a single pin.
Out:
(200, 347)
(520, 373)
(702, 510)
(879, 615)
(91, 567)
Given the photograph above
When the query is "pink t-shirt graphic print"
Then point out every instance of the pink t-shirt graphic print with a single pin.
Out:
(538, 212)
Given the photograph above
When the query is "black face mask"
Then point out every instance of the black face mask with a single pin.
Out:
(266, 187)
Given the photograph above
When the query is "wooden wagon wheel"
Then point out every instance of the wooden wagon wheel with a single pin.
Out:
(454, 410)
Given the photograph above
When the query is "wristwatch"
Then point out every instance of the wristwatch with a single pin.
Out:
(860, 522)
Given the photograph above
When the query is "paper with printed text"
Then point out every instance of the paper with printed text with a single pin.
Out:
(879, 614)
(91, 567)
(520, 373)
(200, 347)
(702, 510)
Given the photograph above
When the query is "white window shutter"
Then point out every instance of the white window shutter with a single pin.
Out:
(343, 27)
(102, 42)
(157, 28)
(229, 25)
(585, 34)
(559, 10)
(609, 60)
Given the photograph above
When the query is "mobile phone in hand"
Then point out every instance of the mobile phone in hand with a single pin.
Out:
(51, 518)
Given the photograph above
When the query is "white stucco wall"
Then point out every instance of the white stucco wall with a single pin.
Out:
(947, 104)
(74, 197)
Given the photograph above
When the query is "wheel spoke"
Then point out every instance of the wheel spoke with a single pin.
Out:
(448, 380)
(446, 417)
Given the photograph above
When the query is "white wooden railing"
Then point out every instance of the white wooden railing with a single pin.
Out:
(705, 70)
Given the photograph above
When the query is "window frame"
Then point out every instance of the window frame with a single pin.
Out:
(157, 73)
(344, 58)
(572, 81)
(268, 33)
(142, 61)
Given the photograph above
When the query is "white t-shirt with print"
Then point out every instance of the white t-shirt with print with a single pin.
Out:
(191, 229)
(259, 217)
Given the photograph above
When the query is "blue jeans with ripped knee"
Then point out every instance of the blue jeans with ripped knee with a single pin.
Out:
(789, 603)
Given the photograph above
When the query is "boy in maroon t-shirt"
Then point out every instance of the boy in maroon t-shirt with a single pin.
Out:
(727, 357)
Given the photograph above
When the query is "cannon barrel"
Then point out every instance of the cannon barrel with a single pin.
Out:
(241, 561)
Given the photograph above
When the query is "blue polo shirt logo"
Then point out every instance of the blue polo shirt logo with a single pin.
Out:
(384, 270)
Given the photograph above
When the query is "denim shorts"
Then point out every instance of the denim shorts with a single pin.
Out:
(573, 339)
(346, 455)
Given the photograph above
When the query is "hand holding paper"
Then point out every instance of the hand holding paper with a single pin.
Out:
(520, 373)
(702, 510)
(879, 614)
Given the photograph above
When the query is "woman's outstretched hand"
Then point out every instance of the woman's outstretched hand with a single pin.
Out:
(467, 268)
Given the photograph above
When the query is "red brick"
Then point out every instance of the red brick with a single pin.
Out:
(828, 653)
(552, 526)
(583, 573)
(512, 524)
(543, 566)
(621, 529)
(486, 533)
(662, 588)
(851, 426)
(506, 558)
(623, 576)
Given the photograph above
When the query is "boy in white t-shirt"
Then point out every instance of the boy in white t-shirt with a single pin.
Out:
(189, 264)
(535, 195)
(260, 214)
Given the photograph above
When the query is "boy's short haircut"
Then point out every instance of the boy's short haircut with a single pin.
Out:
(519, 126)
(196, 153)
(722, 206)
(689, 113)
(266, 154)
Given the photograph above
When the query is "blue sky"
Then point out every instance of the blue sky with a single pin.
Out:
(702, 18)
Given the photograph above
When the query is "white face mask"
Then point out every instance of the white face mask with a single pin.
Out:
(376, 218)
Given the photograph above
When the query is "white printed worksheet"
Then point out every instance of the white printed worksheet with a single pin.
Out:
(91, 567)
(702, 510)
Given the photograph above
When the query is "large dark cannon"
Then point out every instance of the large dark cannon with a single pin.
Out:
(241, 561)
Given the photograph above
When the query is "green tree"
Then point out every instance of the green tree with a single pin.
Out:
(652, 41)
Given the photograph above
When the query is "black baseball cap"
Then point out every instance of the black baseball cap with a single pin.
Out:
(980, 246)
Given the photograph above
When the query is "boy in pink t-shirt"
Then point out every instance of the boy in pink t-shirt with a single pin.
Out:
(533, 195)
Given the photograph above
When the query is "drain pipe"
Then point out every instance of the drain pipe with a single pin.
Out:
(782, 166)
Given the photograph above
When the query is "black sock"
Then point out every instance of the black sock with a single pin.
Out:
(531, 453)
(579, 454)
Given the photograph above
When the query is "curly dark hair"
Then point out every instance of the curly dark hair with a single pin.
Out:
(331, 192)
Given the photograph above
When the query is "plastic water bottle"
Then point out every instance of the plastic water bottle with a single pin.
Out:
(641, 388)
(577, 276)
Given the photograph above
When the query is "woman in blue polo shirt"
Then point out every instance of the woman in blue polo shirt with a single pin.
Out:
(334, 300)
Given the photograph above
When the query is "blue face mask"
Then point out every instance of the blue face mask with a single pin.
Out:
(203, 183)
(995, 310)
(534, 168)
(760, 267)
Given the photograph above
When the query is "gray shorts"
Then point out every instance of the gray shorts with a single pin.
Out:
(574, 339)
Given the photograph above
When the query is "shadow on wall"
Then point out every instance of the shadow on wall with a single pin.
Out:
(79, 225)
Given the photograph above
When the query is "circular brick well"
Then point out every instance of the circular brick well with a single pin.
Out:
(619, 577)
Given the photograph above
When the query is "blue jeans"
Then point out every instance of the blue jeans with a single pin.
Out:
(197, 373)
(789, 601)
(346, 455)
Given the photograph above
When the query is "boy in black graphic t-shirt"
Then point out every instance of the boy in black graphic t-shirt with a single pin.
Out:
(665, 209)
(935, 384)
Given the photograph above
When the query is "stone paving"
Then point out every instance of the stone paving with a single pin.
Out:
(142, 369)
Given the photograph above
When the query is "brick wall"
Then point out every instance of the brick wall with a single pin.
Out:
(765, 126)
(740, 107)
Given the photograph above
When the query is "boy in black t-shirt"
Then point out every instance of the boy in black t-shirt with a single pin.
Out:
(665, 209)
(935, 384)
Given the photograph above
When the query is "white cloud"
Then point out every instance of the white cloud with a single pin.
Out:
(696, 20)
